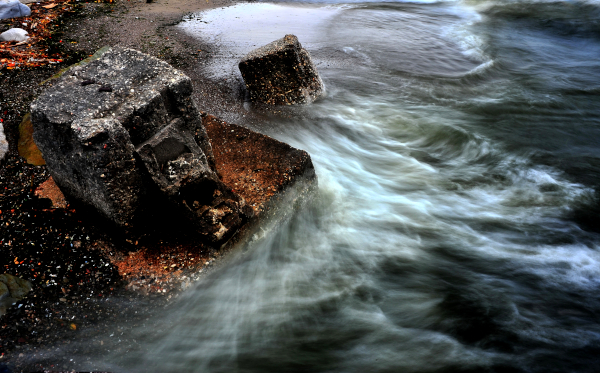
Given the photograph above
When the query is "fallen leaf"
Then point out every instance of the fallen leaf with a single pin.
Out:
(50, 6)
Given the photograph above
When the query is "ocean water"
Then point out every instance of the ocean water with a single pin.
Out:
(456, 226)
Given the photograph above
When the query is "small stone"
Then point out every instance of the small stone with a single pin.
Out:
(14, 34)
(105, 88)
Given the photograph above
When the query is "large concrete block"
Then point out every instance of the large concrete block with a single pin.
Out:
(122, 132)
(281, 73)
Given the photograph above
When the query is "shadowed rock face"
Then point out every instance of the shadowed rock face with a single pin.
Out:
(122, 133)
(281, 73)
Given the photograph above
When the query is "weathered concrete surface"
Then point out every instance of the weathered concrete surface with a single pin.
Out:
(26, 146)
(258, 167)
(123, 132)
(281, 73)
(12, 289)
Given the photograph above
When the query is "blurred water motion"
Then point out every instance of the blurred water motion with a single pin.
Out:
(455, 228)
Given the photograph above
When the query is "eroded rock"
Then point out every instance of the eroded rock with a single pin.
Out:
(281, 73)
(122, 133)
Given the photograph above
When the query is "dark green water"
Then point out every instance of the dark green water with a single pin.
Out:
(456, 226)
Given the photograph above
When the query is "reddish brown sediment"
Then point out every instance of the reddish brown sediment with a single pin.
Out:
(49, 189)
(254, 165)
(157, 267)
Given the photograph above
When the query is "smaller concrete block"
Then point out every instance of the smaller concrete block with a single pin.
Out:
(90, 122)
(281, 73)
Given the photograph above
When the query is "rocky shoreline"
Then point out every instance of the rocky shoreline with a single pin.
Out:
(78, 268)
